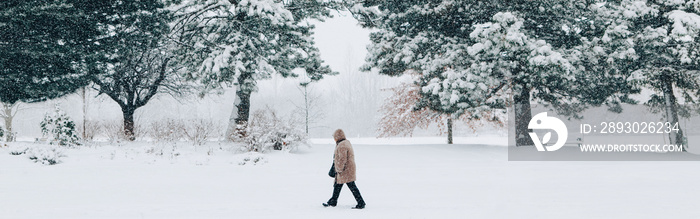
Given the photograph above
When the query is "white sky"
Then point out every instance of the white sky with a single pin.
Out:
(340, 36)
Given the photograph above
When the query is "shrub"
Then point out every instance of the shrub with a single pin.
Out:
(46, 156)
(198, 131)
(166, 131)
(18, 150)
(59, 128)
(113, 130)
(266, 131)
(92, 129)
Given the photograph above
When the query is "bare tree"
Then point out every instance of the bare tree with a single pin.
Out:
(133, 63)
(8, 113)
(83, 95)
(310, 109)
(135, 81)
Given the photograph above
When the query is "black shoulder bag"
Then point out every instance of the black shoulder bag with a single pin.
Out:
(332, 172)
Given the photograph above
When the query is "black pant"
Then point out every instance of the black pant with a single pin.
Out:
(353, 188)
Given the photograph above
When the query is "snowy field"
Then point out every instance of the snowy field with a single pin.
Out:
(409, 178)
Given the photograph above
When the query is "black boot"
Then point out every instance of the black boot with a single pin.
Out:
(336, 193)
(358, 196)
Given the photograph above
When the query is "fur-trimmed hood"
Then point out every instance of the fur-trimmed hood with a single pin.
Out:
(338, 135)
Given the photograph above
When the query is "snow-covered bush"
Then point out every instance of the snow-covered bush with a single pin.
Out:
(169, 130)
(18, 150)
(46, 156)
(59, 128)
(2, 132)
(198, 131)
(266, 131)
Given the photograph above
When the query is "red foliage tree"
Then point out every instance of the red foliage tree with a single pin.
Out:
(400, 118)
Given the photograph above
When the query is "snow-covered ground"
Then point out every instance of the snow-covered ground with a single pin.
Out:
(414, 178)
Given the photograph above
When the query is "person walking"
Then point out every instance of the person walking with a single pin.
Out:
(344, 166)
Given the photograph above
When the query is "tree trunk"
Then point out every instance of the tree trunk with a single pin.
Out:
(243, 107)
(306, 109)
(9, 135)
(128, 113)
(231, 130)
(676, 138)
(449, 130)
(84, 112)
(523, 115)
(8, 116)
(239, 115)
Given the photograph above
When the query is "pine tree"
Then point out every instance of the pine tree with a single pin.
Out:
(42, 44)
(310, 109)
(505, 57)
(241, 42)
(59, 128)
(479, 56)
(663, 39)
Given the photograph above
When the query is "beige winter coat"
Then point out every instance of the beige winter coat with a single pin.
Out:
(344, 162)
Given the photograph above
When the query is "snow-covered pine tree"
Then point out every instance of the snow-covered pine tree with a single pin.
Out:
(664, 38)
(423, 37)
(604, 61)
(432, 38)
(59, 128)
(237, 43)
(465, 70)
(505, 57)
(266, 131)
(42, 43)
